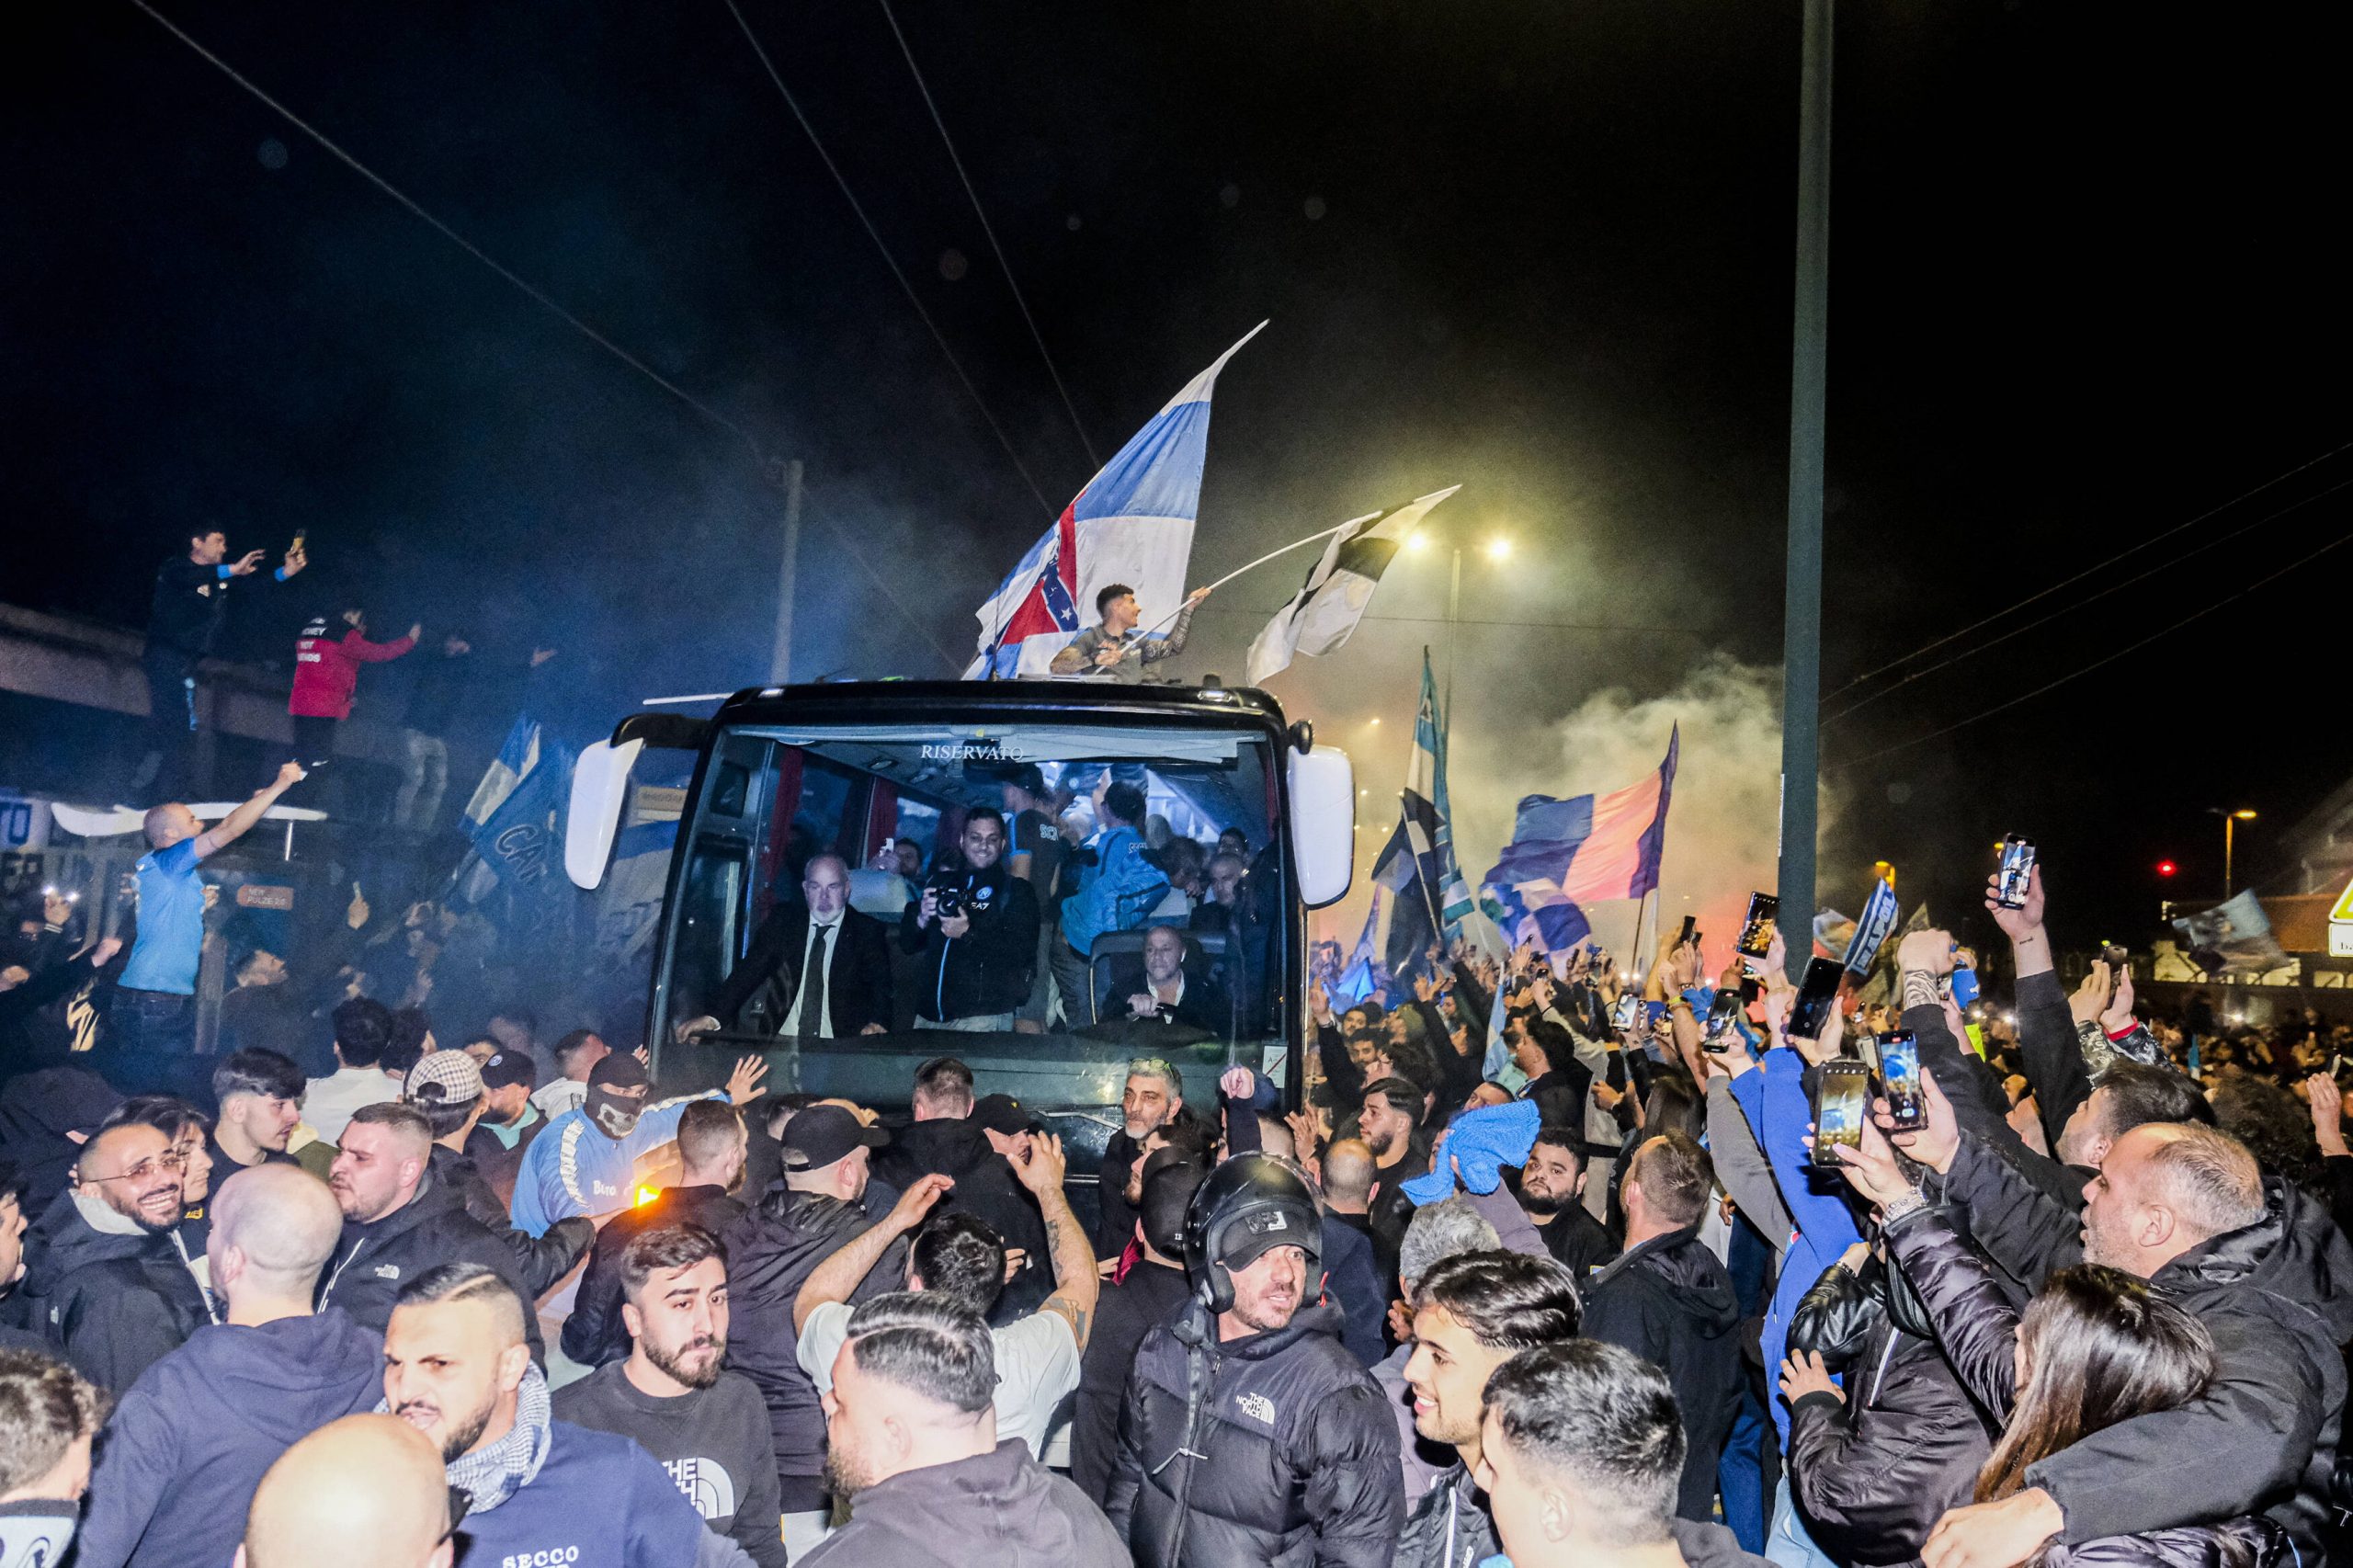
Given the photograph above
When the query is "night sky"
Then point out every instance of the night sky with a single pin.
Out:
(2083, 289)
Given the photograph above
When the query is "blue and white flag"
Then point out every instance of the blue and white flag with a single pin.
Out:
(1362, 976)
(1872, 928)
(516, 818)
(1132, 524)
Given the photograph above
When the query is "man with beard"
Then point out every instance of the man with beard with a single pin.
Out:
(109, 1282)
(1552, 1190)
(1153, 1098)
(706, 1425)
(1389, 1121)
(976, 931)
(1249, 1434)
(912, 1438)
(399, 1223)
(585, 1163)
(711, 1146)
(540, 1490)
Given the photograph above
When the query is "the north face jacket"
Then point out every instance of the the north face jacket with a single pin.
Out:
(1669, 1302)
(114, 1304)
(374, 1261)
(1282, 1457)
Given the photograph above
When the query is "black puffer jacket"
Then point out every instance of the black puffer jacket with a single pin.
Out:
(771, 1252)
(2276, 1297)
(539, 1261)
(985, 1189)
(374, 1261)
(1670, 1301)
(114, 1304)
(1288, 1460)
(1872, 1474)
(2245, 1542)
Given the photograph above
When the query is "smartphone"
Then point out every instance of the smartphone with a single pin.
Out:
(1899, 1077)
(299, 535)
(1625, 1012)
(1756, 931)
(2116, 956)
(1842, 1093)
(2018, 863)
(1691, 922)
(1817, 994)
(1722, 1012)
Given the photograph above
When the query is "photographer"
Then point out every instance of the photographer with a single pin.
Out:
(976, 929)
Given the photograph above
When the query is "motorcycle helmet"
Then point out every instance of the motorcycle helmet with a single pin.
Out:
(1248, 1206)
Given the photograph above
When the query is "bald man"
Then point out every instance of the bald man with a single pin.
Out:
(194, 1436)
(108, 1279)
(364, 1492)
(821, 936)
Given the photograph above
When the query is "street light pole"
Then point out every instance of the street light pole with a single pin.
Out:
(2230, 822)
(1802, 596)
(1453, 633)
(780, 654)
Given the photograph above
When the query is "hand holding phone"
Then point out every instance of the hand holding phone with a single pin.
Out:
(1841, 1098)
(1899, 1074)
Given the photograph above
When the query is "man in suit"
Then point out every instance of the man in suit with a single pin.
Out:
(844, 955)
(1168, 991)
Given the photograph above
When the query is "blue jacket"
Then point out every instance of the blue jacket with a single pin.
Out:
(1354, 1281)
(598, 1501)
(576, 1167)
(1116, 893)
(1774, 1100)
(190, 1440)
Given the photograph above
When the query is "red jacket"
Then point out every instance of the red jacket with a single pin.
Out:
(326, 670)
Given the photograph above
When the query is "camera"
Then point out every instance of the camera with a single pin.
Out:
(948, 900)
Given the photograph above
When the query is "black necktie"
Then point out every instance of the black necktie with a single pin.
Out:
(812, 984)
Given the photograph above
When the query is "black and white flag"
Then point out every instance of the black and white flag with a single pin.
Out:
(1320, 617)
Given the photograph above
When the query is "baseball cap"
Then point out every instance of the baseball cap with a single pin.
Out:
(617, 1070)
(507, 1068)
(817, 1137)
(1001, 1113)
(451, 1076)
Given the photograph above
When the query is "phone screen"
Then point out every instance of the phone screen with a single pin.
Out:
(1756, 931)
(1721, 1013)
(1841, 1098)
(1816, 993)
(1899, 1074)
(2018, 861)
(1628, 1009)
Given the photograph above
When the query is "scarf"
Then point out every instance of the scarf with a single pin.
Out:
(495, 1472)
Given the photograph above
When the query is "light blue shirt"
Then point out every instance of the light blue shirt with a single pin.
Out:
(171, 922)
(576, 1167)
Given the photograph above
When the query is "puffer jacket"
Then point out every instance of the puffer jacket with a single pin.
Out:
(2273, 1296)
(1449, 1526)
(985, 1189)
(2245, 1542)
(771, 1252)
(1285, 1458)
(114, 1305)
(1871, 1473)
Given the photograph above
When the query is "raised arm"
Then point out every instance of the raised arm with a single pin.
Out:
(234, 825)
(1076, 1283)
(840, 1275)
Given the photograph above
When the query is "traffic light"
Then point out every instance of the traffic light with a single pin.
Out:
(2167, 867)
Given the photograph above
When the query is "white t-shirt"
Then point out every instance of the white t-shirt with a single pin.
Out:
(1037, 1366)
(330, 1101)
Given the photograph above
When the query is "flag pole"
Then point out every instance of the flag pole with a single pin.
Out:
(1229, 576)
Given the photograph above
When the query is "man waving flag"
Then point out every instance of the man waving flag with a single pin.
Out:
(1320, 616)
(1132, 524)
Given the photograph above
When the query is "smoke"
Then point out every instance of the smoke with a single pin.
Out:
(1722, 826)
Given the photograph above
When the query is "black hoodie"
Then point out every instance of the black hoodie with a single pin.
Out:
(1001, 1510)
(115, 1304)
(1670, 1301)
(985, 1189)
(374, 1260)
(38, 1109)
(987, 969)
(188, 1444)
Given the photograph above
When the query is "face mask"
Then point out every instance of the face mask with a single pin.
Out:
(617, 1117)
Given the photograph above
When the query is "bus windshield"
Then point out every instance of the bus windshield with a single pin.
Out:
(1150, 915)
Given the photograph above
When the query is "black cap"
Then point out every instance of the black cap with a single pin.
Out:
(618, 1070)
(1001, 1113)
(817, 1137)
(507, 1068)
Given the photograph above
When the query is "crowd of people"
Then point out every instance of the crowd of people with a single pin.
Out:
(1585, 1291)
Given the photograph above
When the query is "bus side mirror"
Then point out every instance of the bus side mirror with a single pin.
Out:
(1323, 823)
(599, 788)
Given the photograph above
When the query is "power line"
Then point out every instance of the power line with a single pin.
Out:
(2094, 568)
(1975, 649)
(1034, 336)
(540, 297)
(472, 249)
(888, 259)
(2107, 659)
(1467, 620)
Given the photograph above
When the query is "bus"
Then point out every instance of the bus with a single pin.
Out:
(781, 774)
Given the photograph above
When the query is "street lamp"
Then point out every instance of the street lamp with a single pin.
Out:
(1497, 549)
(2231, 821)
